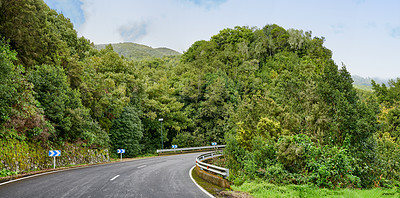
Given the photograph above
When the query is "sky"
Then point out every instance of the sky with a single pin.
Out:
(364, 35)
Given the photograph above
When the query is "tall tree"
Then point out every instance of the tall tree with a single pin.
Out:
(127, 131)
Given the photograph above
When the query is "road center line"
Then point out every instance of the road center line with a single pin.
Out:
(142, 166)
(114, 178)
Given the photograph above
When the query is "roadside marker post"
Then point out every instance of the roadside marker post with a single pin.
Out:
(121, 151)
(174, 147)
(215, 145)
(54, 154)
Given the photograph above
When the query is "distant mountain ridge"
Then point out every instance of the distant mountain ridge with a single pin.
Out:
(358, 80)
(134, 51)
(365, 83)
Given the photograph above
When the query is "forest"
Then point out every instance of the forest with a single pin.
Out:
(286, 111)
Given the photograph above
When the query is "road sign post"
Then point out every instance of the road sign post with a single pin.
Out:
(121, 151)
(215, 145)
(54, 154)
(162, 142)
(174, 147)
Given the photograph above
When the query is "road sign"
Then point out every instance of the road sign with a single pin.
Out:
(120, 150)
(54, 153)
(174, 146)
(214, 144)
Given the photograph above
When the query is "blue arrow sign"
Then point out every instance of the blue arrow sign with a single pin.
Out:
(120, 150)
(214, 144)
(174, 146)
(54, 153)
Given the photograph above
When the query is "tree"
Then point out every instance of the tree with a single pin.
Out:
(126, 132)
(18, 107)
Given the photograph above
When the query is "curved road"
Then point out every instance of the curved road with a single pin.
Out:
(166, 176)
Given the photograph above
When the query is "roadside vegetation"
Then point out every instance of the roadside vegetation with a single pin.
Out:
(263, 189)
(288, 114)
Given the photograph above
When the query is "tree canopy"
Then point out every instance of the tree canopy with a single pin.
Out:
(286, 111)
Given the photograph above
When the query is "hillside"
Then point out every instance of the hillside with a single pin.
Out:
(359, 80)
(286, 112)
(136, 51)
(365, 83)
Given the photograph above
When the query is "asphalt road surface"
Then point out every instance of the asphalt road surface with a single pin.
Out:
(166, 176)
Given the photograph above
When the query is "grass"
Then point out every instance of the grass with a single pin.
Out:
(264, 189)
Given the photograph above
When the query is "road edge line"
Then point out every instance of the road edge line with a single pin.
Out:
(70, 168)
(30, 176)
(201, 188)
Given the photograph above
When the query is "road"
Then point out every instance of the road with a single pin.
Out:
(166, 176)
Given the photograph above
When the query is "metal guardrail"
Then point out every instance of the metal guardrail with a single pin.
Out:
(191, 148)
(209, 167)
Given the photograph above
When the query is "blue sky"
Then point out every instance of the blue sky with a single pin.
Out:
(363, 34)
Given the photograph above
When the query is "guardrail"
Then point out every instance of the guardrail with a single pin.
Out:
(191, 148)
(209, 167)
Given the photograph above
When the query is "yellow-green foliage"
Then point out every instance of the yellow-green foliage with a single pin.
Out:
(21, 156)
(269, 128)
(266, 128)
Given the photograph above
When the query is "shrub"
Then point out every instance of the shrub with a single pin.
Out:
(333, 168)
(388, 152)
(186, 139)
(234, 156)
(291, 151)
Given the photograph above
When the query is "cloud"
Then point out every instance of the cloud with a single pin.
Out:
(208, 3)
(69, 8)
(395, 32)
(338, 29)
(133, 31)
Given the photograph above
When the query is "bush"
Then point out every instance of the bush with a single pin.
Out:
(4, 172)
(186, 139)
(292, 151)
(234, 157)
(333, 168)
(388, 152)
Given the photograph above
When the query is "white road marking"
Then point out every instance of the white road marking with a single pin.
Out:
(114, 178)
(201, 188)
(142, 166)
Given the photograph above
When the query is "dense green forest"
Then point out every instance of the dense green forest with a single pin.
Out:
(274, 96)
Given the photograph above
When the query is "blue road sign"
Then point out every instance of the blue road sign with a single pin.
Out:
(120, 150)
(174, 146)
(54, 153)
(214, 144)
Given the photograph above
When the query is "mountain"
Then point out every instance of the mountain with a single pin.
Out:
(135, 51)
(365, 83)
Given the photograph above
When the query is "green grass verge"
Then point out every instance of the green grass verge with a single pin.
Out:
(264, 189)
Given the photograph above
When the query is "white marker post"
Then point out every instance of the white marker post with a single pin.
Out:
(215, 145)
(121, 151)
(54, 154)
(174, 147)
